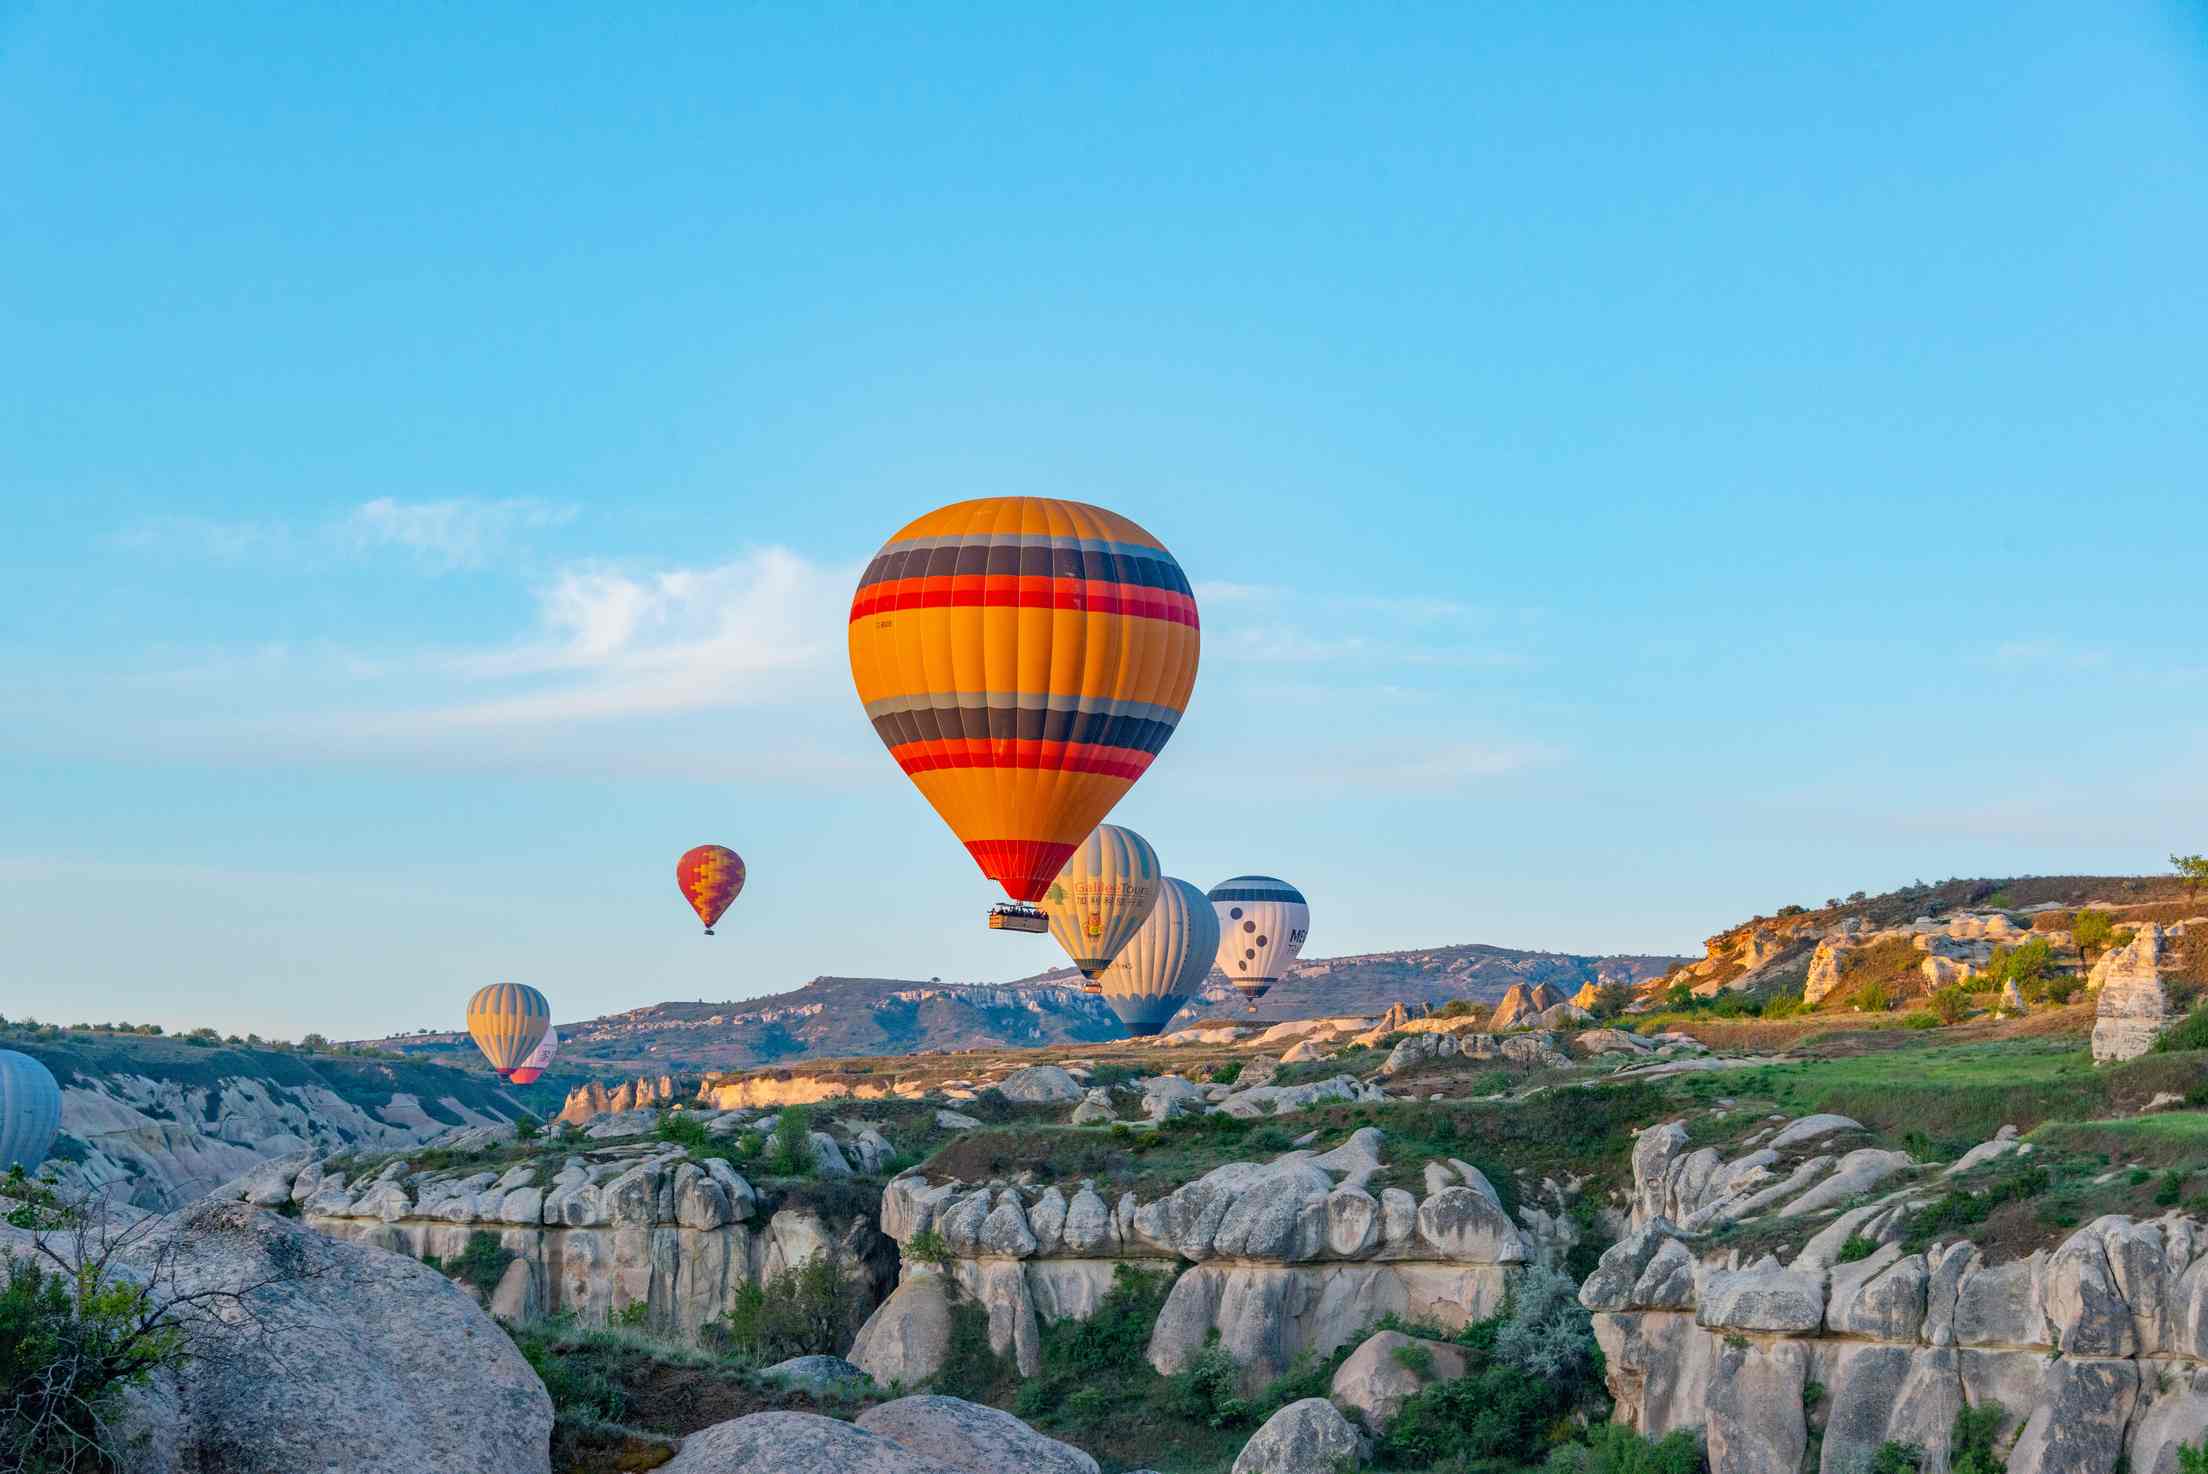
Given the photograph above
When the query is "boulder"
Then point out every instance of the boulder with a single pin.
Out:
(1464, 1225)
(813, 1373)
(828, 1160)
(2133, 1008)
(955, 1121)
(1307, 1437)
(908, 1336)
(1095, 1109)
(1514, 1009)
(346, 1359)
(1809, 1129)
(1825, 966)
(971, 1438)
(790, 1443)
(1763, 1297)
(1375, 1381)
(1040, 1085)
(1858, 1173)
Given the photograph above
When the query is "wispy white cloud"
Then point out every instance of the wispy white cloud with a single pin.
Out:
(448, 534)
(614, 643)
(441, 536)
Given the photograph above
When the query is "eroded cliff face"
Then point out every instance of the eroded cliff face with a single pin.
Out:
(592, 1233)
(158, 1144)
(1279, 1258)
(2096, 1351)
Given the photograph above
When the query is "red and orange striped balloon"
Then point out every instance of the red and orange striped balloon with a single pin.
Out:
(710, 876)
(1024, 659)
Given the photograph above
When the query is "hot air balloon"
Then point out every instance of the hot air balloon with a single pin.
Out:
(30, 1111)
(1102, 898)
(1166, 962)
(1024, 659)
(1262, 926)
(710, 876)
(540, 1059)
(507, 1021)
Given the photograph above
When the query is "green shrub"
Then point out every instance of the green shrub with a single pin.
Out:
(1208, 1390)
(682, 1129)
(928, 1247)
(1855, 1247)
(1227, 1073)
(1952, 1003)
(809, 1310)
(2171, 1191)
(789, 1151)
(1090, 1368)
(1613, 1448)
(579, 1391)
(1526, 1370)
(1896, 1458)
(482, 1263)
(1959, 1209)
(2189, 1032)
(1920, 1018)
(1415, 1359)
(69, 1347)
(632, 1316)
(2192, 1458)
(1970, 1441)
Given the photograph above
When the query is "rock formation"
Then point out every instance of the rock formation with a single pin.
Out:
(1307, 1437)
(594, 1099)
(2097, 1351)
(591, 1232)
(913, 1435)
(2133, 1007)
(342, 1359)
(1277, 1258)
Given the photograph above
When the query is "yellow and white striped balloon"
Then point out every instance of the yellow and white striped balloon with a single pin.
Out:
(507, 1021)
(1167, 960)
(1102, 897)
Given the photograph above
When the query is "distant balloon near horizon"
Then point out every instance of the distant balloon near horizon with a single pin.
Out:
(1167, 960)
(539, 1060)
(1263, 923)
(1102, 897)
(711, 876)
(1024, 659)
(508, 1021)
(30, 1111)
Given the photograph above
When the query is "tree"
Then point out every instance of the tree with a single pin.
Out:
(2195, 870)
(2092, 931)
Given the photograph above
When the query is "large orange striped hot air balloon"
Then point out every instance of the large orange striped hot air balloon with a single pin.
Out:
(1024, 659)
(710, 876)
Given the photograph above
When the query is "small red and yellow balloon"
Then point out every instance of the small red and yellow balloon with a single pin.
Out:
(711, 876)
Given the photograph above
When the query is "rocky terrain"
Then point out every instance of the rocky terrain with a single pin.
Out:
(832, 1018)
(156, 1122)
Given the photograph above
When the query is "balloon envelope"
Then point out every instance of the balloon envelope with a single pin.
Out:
(1023, 659)
(1167, 960)
(711, 876)
(507, 1021)
(1102, 897)
(540, 1059)
(1262, 926)
(30, 1111)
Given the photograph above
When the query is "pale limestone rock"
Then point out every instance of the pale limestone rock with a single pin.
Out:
(1352, 1223)
(1375, 1382)
(813, 1373)
(1763, 1297)
(796, 1443)
(970, 1437)
(1088, 1228)
(907, 1337)
(1660, 1366)
(1756, 1425)
(955, 1121)
(2174, 1415)
(1811, 1128)
(2077, 1423)
(1307, 1437)
(2133, 1008)
(1464, 1225)
(1881, 1297)
(1857, 1173)
(1095, 1109)
(828, 1158)
(1825, 967)
(1040, 1085)
(1047, 1221)
(1005, 1233)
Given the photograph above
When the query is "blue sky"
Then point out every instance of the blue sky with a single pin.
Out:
(1640, 466)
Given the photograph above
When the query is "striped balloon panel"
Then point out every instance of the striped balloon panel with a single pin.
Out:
(541, 1057)
(507, 1021)
(711, 876)
(30, 1111)
(1166, 962)
(1024, 660)
(1102, 896)
(1263, 923)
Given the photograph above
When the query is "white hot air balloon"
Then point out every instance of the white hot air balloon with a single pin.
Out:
(1102, 897)
(1262, 926)
(1166, 962)
(30, 1111)
(539, 1060)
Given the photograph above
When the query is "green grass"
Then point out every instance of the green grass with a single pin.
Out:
(1957, 1095)
(2166, 1139)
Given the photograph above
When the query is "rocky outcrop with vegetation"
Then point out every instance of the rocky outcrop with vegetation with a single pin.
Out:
(1850, 1321)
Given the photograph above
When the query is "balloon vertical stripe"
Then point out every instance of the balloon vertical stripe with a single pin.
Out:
(30, 1111)
(507, 1021)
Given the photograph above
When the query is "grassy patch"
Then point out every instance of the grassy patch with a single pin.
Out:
(2165, 1139)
